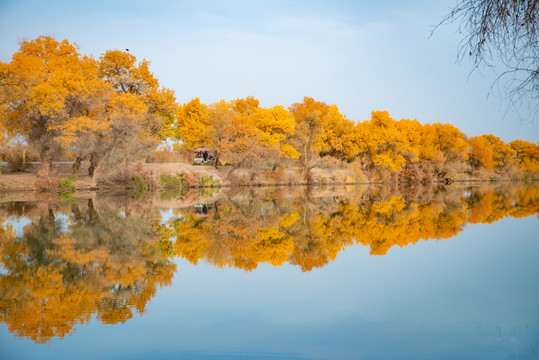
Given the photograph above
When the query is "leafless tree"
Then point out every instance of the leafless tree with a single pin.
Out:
(503, 31)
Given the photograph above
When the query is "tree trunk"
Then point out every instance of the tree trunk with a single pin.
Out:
(76, 166)
(51, 218)
(96, 173)
(76, 212)
(216, 161)
(92, 213)
(216, 215)
(46, 163)
(93, 164)
(93, 170)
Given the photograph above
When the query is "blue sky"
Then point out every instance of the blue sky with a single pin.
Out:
(360, 55)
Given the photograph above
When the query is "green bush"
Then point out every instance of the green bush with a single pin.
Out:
(138, 182)
(209, 181)
(207, 192)
(67, 197)
(137, 194)
(67, 184)
(172, 194)
(173, 181)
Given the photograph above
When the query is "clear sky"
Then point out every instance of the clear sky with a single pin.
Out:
(360, 55)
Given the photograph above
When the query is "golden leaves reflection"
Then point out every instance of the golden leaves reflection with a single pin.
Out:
(310, 231)
(60, 272)
(94, 258)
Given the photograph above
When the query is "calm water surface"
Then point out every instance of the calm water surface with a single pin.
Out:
(344, 273)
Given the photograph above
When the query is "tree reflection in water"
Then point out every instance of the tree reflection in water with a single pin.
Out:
(74, 261)
(310, 231)
(63, 270)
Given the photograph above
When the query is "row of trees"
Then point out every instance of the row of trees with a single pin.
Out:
(112, 110)
(311, 130)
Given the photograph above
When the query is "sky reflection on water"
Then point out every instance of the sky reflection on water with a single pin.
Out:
(472, 296)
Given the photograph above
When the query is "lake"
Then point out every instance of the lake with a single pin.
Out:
(272, 273)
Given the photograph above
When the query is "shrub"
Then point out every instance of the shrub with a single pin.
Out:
(18, 157)
(209, 181)
(206, 192)
(192, 179)
(171, 194)
(67, 184)
(138, 182)
(137, 194)
(411, 174)
(173, 181)
(67, 197)
(46, 183)
(176, 186)
(141, 180)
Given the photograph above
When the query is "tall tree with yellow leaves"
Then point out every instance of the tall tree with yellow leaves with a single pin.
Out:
(313, 135)
(139, 113)
(527, 155)
(48, 88)
(54, 98)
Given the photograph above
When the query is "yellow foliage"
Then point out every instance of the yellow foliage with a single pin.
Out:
(54, 97)
(527, 154)
(53, 281)
(245, 237)
(46, 85)
(502, 154)
(385, 142)
(481, 152)
(108, 263)
(240, 130)
(246, 106)
(490, 151)
(289, 220)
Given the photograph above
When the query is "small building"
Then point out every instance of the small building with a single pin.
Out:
(201, 155)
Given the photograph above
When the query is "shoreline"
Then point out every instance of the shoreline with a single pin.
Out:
(221, 177)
